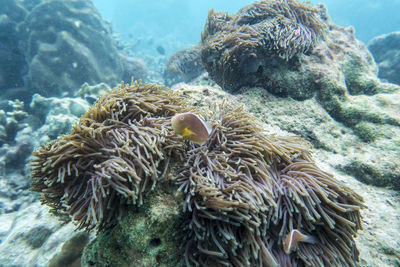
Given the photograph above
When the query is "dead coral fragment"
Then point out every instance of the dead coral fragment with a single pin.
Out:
(120, 148)
(264, 33)
(246, 190)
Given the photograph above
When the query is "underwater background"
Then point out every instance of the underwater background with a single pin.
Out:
(298, 108)
(183, 20)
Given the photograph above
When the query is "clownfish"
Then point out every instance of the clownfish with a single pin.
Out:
(191, 127)
(295, 236)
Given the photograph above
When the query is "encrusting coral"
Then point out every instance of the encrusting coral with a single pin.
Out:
(244, 189)
(265, 33)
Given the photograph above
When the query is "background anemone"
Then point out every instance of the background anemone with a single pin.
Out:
(264, 34)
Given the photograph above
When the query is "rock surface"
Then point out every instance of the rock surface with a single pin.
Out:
(146, 237)
(386, 51)
(33, 237)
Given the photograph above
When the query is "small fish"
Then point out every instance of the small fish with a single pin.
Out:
(191, 127)
(295, 236)
(160, 50)
(90, 99)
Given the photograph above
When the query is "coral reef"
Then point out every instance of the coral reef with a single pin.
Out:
(92, 92)
(14, 150)
(240, 49)
(65, 50)
(184, 66)
(386, 51)
(244, 189)
(26, 127)
(56, 115)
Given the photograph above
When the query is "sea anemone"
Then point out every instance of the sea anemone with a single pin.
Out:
(237, 49)
(246, 190)
(119, 149)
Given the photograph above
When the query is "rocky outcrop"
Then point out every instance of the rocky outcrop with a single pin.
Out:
(12, 63)
(66, 43)
(386, 51)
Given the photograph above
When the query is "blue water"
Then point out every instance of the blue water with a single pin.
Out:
(181, 21)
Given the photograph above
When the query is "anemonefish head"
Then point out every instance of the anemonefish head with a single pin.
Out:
(294, 237)
(191, 127)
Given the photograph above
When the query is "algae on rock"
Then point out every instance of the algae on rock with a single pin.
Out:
(146, 236)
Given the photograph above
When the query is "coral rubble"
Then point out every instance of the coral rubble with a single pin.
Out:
(243, 190)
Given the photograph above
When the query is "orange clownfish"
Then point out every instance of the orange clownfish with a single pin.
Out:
(191, 127)
(295, 236)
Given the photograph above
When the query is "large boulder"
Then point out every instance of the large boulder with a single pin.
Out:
(12, 63)
(66, 43)
(386, 51)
